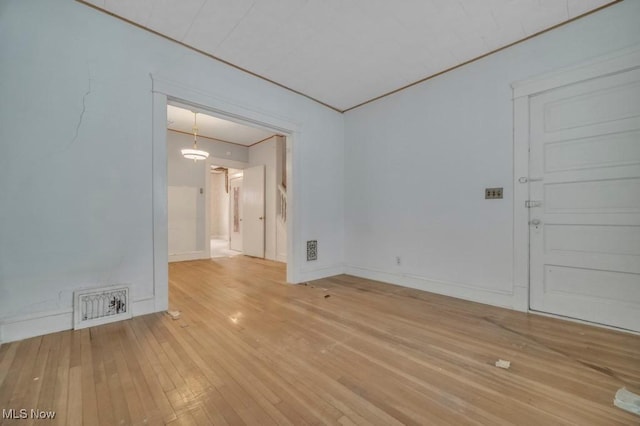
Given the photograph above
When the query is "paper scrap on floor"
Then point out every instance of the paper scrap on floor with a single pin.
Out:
(174, 314)
(628, 401)
(501, 363)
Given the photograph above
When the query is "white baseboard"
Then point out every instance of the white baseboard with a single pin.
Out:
(316, 274)
(36, 324)
(195, 255)
(520, 298)
(143, 306)
(220, 237)
(39, 323)
(504, 299)
(579, 321)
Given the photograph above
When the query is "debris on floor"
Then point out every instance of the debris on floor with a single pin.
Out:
(501, 363)
(174, 314)
(327, 295)
(628, 401)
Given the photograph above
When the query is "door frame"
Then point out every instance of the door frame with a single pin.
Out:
(224, 162)
(165, 90)
(613, 63)
(230, 211)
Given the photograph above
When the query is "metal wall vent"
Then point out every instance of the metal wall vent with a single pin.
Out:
(100, 306)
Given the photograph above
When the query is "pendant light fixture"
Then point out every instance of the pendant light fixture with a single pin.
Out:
(194, 153)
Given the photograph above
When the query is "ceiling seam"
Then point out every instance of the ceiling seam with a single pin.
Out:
(194, 19)
(232, 30)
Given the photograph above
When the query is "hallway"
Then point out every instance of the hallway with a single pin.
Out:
(220, 248)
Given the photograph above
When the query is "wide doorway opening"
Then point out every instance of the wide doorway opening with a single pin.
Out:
(232, 199)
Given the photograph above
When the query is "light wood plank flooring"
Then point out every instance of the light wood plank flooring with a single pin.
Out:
(250, 349)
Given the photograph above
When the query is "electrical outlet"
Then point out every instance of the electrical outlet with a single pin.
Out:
(312, 250)
(398, 261)
(492, 193)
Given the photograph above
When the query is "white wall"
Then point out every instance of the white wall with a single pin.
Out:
(186, 201)
(188, 238)
(417, 163)
(75, 163)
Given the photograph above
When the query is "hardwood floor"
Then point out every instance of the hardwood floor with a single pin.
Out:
(250, 349)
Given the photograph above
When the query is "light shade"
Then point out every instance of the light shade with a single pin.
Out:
(194, 154)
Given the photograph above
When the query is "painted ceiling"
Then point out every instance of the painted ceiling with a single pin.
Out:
(344, 53)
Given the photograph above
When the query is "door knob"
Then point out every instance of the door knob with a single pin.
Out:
(260, 218)
(535, 222)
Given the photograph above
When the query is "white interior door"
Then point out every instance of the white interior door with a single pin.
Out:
(253, 211)
(235, 214)
(585, 185)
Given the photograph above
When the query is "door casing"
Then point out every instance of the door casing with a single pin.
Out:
(616, 62)
(164, 90)
(235, 238)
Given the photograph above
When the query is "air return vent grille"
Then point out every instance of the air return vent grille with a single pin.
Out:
(100, 306)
